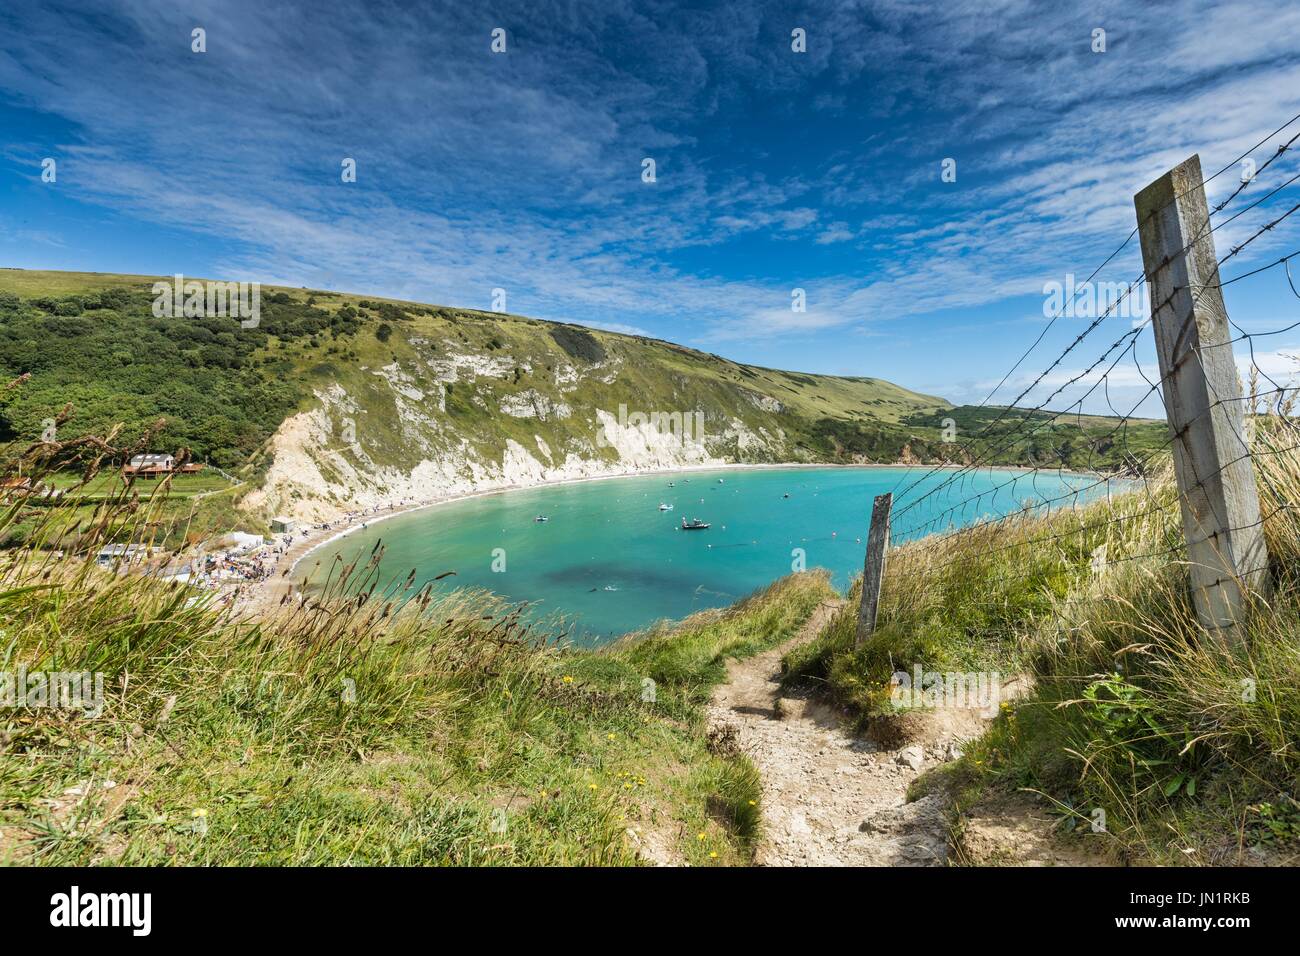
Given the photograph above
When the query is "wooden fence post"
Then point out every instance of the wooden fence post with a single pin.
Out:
(1202, 392)
(873, 567)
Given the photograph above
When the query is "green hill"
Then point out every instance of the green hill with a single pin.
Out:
(336, 400)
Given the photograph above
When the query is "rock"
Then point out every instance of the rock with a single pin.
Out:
(953, 752)
(919, 851)
(913, 757)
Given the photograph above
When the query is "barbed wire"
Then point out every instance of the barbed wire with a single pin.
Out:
(988, 456)
(1129, 238)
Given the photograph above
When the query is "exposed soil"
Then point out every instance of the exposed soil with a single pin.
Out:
(1015, 829)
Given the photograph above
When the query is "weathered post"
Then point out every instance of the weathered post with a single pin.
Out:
(1216, 477)
(873, 567)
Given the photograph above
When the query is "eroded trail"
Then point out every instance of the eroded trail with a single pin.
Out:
(830, 798)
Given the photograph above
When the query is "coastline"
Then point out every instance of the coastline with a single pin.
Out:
(266, 594)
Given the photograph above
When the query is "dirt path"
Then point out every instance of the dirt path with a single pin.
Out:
(829, 798)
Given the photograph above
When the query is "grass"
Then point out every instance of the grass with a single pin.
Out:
(367, 726)
(1188, 748)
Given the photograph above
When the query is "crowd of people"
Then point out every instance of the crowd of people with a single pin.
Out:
(247, 566)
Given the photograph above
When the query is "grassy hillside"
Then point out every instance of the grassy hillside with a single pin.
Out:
(392, 384)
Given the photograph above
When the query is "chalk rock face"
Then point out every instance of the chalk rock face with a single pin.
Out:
(533, 404)
(323, 465)
(461, 403)
(651, 445)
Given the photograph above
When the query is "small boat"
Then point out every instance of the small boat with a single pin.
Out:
(786, 495)
(541, 518)
(695, 525)
(664, 507)
(719, 481)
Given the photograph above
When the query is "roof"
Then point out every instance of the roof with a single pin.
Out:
(113, 550)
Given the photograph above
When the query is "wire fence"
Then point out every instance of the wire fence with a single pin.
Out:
(1145, 489)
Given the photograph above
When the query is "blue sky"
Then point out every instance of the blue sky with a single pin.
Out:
(775, 170)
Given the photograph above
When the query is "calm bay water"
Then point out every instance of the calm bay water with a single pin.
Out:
(610, 561)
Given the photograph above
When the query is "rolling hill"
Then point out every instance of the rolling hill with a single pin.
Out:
(337, 401)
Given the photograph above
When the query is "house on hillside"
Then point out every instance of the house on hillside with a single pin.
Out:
(150, 465)
(154, 465)
(113, 554)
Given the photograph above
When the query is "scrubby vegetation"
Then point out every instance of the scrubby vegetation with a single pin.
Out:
(578, 343)
(105, 353)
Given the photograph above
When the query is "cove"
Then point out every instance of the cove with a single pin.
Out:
(608, 560)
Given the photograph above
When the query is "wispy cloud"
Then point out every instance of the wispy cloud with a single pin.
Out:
(774, 170)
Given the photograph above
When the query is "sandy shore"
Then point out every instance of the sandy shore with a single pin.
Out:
(266, 594)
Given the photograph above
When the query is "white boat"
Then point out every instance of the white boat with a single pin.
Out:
(664, 507)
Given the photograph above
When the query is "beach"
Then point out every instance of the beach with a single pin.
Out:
(294, 564)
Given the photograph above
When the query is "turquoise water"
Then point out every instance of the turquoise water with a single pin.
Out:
(610, 561)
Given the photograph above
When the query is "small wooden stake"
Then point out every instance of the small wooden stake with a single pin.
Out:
(873, 568)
